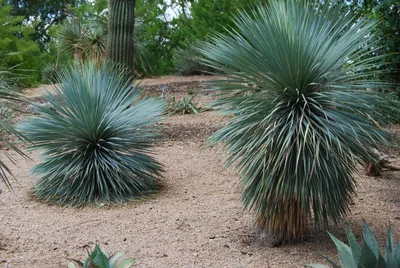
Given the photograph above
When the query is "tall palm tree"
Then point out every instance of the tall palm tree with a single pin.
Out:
(300, 117)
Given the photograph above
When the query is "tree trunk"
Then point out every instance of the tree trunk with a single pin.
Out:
(120, 47)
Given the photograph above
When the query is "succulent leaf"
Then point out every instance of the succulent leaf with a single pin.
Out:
(355, 247)
(126, 263)
(370, 240)
(367, 257)
(390, 242)
(100, 259)
(397, 253)
(115, 258)
(345, 253)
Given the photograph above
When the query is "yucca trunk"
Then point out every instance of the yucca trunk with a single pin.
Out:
(289, 226)
(121, 32)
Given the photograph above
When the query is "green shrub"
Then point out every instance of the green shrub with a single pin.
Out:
(366, 256)
(95, 137)
(299, 112)
(100, 259)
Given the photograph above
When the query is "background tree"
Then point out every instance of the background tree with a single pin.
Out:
(17, 49)
(387, 32)
(44, 14)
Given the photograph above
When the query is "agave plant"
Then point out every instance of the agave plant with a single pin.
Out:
(300, 117)
(366, 256)
(101, 259)
(95, 136)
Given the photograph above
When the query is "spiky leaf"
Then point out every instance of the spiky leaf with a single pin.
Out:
(397, 253)
(355, 247)
(115, 258)
(345, 254)
(97, 259)
(370, 241)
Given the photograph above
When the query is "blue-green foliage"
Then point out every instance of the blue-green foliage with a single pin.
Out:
(368, 255)
(95, 136)
(300, 114)
(100, 259)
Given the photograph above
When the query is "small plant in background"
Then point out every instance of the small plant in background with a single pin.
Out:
(50, 72)
(183, 106)
(101, 259)
(95, 135)
(191, 92)
(366, 256)
(188, 61)
(389, 110)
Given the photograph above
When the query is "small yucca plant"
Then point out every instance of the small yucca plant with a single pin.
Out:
(367, 255)
(301, 118)
(184, 106)
(101, 259)
(95, 137)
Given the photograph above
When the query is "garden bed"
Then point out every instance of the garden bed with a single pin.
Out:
(196, 220)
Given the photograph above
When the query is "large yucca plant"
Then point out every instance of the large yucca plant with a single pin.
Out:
(95, 137)
(301, 118)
